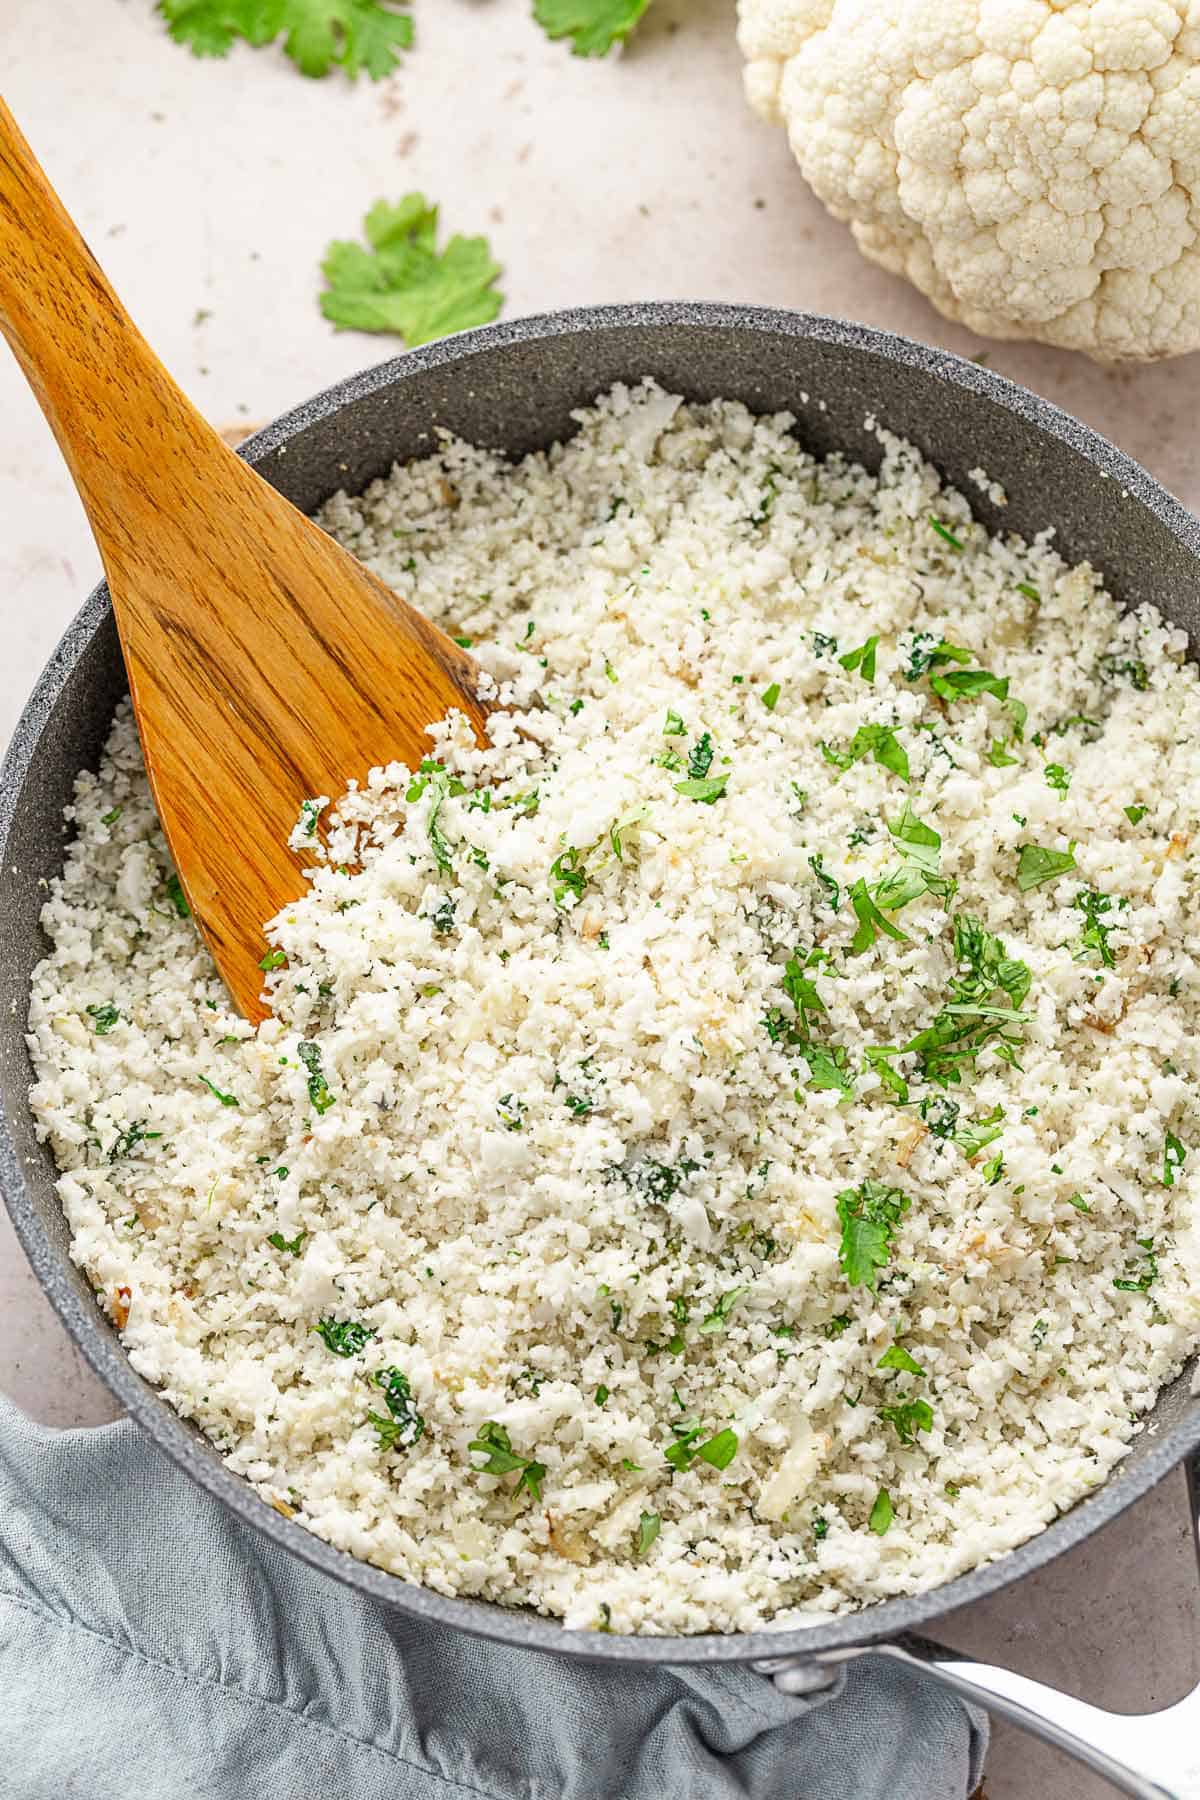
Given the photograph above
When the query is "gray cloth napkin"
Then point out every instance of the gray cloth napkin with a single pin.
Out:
(152, 1646)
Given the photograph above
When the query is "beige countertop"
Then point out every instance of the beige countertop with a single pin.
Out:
(210, 190)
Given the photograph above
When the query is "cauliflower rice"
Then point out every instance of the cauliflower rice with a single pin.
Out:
(610, 1118)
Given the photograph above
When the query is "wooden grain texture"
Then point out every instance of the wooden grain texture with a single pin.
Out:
(266, 665)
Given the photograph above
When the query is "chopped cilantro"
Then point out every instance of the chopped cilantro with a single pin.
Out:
(1135, 814)
(1093, 906)
(649, 1526)
(718, 1451)
(406, 1425)
(909, 1417)
(1057, 777)
(968, 1023)
(292, 1246)
(1132, 670)
(897, 1357)
(877, 1060)
(718, 1318)
(511, 1111)
(674, 726)
(128, 1138)
(862, 659)
(869, 1215)
(1079, 1203)
(1141, 1271)
(870, 921)
(1036, 865)
(946, 534)
(318, 1088)
(1030, 592)
(494, 1444)
(225, 1099)
(708, 790)
(827, 1068)
(770, 696)
(1174, 1157)
(816, 864)
(877, 741)
(568, 875)
(274, 959)
(310, 813)
(345, 1337)
(601, 1395)
(882, 1513)
(998, 756)
(700, 757)
(103, 1018)
(110, 818)
(177, 897)
(972, 1138)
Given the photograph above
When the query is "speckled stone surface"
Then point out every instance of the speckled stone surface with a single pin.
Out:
(623, 180)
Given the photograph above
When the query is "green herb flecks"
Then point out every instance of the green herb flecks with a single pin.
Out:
(318, 1088)
(103, 1018)
(1094, 939)
(441, 786)
(218, 1093)
(717, 1451)
(404, 1424)
(1141, 1271)
(177, 897)
(816, 863)
(1036, 865)
(882, 1513)
(1174, 1157)
(908, 1418)
(869, 1216)
(569, 875)
(770, 696)
(128, 1138)
(495, 1446)
(718, 1318)
(897, 1357)
(862, 659)
(287, 1246)
(274, 959)
(876, 741)
(345, 1337)
(971, 1020)
(871, 921)
(649, 1526)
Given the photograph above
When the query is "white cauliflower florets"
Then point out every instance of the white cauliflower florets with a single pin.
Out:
(1033, 166)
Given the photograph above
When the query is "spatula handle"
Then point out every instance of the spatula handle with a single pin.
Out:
(99, 384)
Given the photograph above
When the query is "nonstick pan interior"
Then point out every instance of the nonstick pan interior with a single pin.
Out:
(513, 388)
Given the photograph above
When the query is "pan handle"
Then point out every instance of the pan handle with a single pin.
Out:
(1153, 1756)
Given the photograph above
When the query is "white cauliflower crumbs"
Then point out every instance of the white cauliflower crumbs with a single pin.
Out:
(726, 1151)
(1033, 166)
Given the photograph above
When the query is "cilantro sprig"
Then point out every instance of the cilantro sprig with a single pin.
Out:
(401, 282)
(593, 26)
(495, 1446)
(319, 35)
(869, 1216)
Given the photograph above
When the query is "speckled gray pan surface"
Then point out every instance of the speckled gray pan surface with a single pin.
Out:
(514, 387)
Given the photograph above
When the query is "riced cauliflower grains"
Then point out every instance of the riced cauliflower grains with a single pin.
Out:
(724, 1152)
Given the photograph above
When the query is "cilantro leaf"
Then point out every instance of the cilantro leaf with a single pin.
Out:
(318, 1087)
(869, 1215)
(998, 756)
(972, 1138)
(876, 1058)
(945, 533)
(402, 283)
(718, 1451)
(707, 790)
(495, 1446)
(1036, 865)
(897, 1357)
(862, 659)
(593, 26)
(870, 921)
(718, 1318)
(816, 863)
(406, 1424)
(877, 741)
(320, 34)
(700, 757)
(345, 1337)
(1174, 1157)
(649, 1526)
(882, 1513)
(1141, 1271)
(292, 1246)
(103, 1018)
(909, 1417)
(1093, 906)
(827, 1068)
(1057, 777)
(770, 696)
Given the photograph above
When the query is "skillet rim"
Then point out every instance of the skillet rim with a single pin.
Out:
(100, 1344)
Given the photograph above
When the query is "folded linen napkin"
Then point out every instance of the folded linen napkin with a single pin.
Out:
(154, 1648)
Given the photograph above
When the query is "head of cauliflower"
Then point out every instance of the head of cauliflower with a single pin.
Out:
(1033, 166)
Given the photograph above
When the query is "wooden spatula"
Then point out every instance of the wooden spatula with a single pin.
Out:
(266, 665)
